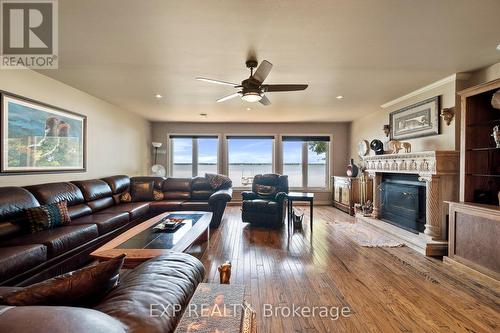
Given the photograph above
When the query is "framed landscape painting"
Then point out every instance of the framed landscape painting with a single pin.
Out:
(415, 121)
(39, 138)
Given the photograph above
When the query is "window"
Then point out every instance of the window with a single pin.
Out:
(249, 156)
(193, 155)
(305, 160)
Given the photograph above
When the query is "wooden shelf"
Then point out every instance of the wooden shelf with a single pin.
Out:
(484, 149)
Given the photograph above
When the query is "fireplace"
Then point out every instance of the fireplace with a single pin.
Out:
(402, 201)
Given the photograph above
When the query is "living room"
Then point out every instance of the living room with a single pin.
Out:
(226, 166)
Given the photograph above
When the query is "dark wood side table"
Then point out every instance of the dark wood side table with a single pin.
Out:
(300, 196)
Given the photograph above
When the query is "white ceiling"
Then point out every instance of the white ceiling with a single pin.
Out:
(370, 51)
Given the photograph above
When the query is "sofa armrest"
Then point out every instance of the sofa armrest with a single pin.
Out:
(249, 195)
(280, 197)
(221, 195)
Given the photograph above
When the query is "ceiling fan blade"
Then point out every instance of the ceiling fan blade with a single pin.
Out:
(262, 71)
(225, 83)
(283, 87)
(264, 100)
(238, 94)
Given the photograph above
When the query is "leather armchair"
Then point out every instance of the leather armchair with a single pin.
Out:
(264, 206)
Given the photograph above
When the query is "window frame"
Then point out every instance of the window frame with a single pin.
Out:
(194, 152)
(305, 162)
(235, 136)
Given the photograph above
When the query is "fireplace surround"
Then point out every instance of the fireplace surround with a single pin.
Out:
(437, 172)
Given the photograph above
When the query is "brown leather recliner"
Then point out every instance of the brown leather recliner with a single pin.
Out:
(264, 206)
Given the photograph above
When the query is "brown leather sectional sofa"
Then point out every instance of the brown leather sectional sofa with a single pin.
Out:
(149, 299)
(97, 215)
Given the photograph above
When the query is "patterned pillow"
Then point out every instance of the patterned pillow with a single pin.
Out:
(158, 195)
(48, 216)
(126, 197)
(265, 190)
(83, 287)
(218, 181)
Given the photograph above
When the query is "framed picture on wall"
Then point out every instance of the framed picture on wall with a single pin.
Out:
(415, 121)
(40, 138)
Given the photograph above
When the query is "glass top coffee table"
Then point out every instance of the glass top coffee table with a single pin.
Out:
(142, 242)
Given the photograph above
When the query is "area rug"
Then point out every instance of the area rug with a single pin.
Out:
(367, 237)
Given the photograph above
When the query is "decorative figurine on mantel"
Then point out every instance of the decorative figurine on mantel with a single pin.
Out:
(396, 146)
(496, 135)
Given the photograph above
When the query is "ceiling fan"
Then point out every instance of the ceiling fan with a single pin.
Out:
(253, 89)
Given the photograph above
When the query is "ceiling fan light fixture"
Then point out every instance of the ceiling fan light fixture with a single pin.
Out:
(251, 97)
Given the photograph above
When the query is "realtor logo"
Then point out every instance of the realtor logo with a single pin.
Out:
(28, 34)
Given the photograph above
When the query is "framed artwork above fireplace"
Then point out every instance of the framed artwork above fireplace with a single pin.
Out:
(40, 138)
(415, 121)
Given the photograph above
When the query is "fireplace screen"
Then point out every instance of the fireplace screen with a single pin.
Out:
(403, 201)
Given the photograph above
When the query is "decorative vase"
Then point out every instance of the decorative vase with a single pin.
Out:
(377, 146)
(352, 169)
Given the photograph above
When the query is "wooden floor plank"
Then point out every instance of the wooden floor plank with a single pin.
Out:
(386, 289)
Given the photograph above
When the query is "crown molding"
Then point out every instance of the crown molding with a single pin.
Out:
(434, 85)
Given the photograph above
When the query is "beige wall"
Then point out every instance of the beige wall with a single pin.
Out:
(118, 141)
(339, 132)
(370, 126)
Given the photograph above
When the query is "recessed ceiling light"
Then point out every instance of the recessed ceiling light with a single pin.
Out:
(339, 97)
(498, 47)
(249, 109)
(204, 115)
(158, 96)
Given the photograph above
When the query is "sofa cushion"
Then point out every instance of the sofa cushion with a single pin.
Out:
(196, 205)
(16, 259)
(55, 192)
(157, 181)
(97, 193)
(57, 319)
(158, 207)
(83, 287)
(142, 191)
(118, 184)
(135, 209)
(79, 210)
(167, 280)
(106, 222)
(177, 188)
(13, 201)
(263, 206)
(58, 240)
(218, 181)
(48, 216)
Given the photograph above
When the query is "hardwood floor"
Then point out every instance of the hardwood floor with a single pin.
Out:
(386, 289)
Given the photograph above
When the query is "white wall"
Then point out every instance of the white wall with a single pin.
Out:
(118, 141)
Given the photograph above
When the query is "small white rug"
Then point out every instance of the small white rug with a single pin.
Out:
(367, 237)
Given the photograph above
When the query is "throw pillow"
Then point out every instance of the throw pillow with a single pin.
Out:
(48, 216)
(218, 181)
(125, 197)
(82, 287)
(142, 191)
(158, 195)
(265, 190)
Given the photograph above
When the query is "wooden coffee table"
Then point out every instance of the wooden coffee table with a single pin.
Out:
(142, 243)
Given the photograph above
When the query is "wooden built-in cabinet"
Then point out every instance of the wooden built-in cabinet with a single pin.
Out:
(347, 191)
(474, 229)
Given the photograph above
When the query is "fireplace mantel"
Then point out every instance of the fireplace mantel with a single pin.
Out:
(437, 162)
(439, 170)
